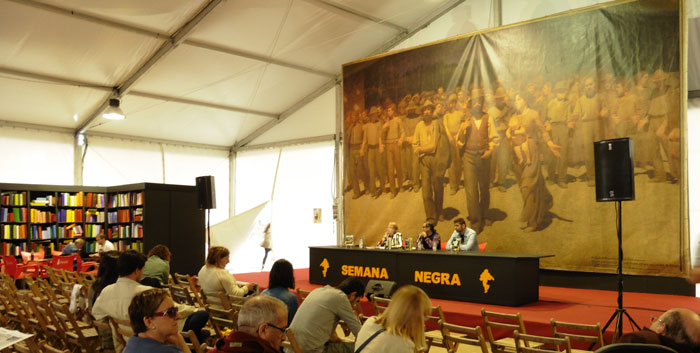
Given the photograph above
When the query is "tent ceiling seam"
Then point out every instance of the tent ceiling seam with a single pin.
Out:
(203, 103)
(357, 13)
(164, 49)
(427, 20)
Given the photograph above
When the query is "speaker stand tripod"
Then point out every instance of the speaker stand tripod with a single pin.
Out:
(620, 311)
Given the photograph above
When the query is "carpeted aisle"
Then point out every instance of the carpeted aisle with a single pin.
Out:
(563, 304)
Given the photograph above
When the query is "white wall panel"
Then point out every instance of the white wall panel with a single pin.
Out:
(110, 161)
(35, 156)
(184, 164)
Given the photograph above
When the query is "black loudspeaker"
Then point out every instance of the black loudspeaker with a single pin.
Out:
(206, 195)
(614, 169)
(383, 289)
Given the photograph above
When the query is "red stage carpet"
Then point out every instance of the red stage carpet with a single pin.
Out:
(563, 304)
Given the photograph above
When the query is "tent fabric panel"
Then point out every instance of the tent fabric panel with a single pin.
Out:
(315, 119)
(157, 119)
(109, 161)
(324, 39)
(44, 42)
(249, 25)
(402, 13)
(205, 75)
(35, 156)
(49, 104)
(279, 88)
(162, 16)
(184, 164)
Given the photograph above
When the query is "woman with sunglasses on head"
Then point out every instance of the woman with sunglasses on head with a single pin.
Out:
(153, 316)
(400, 328)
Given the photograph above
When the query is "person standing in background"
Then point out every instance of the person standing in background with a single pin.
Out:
(266, 243)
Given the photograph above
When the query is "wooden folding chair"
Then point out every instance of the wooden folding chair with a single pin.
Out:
(453, 335)
(379, 304)
(291, 342)
(181, 279)
(223, 314)
(81, 337)
(181, 294)
(507, 322)
(196, 290)
(53, 328)
(521, 343)
(302, 294)
(29, 345)
(15, 312)
(434, 337)
(122, 328)
(591, 335)
(193, 343)
(34, 317)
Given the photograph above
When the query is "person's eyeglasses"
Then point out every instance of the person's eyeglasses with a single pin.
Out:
(170, 312)
(283, 330)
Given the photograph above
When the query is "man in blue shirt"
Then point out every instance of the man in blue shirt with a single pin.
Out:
(76, 247)
(463, 238)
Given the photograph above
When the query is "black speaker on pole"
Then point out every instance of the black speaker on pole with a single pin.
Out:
(614, 169)
(206, 195)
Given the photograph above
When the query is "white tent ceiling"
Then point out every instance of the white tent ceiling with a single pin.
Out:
(209, 72)
(212, 72)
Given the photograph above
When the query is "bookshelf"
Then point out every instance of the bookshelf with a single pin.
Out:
(134, 216)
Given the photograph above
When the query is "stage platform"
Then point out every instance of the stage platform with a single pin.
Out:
(563, 304)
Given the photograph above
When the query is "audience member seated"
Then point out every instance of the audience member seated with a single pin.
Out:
(106, 275)
(677, 328)
(261, 327)
(400, 328)
(281, 280)
(114, 299)
(103, 245)
(76, 247)
(315, 321)
(213, 277)
(156, 273)
(153, 316)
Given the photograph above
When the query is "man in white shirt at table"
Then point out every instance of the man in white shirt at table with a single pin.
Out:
(463, 238)
(103, 245)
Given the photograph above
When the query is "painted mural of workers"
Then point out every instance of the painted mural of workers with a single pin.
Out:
(476, 140)
(357, 165)
(372, 146)
(433, 151)
(393, 139)
(559, 121)
(590, 114)
(452, 121)
(537, 200)
(501, 160)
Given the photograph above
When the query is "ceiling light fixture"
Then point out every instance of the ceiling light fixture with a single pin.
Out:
(113, 112)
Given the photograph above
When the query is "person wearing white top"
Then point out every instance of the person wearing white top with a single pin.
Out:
(213, 277)
(402, 323)
(103, 245)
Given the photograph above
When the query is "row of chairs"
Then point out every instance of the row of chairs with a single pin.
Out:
(449, 336)
(33, 265)
(223, 309)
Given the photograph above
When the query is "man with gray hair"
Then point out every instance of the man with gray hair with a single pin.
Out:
(676, 328)
(262, 326)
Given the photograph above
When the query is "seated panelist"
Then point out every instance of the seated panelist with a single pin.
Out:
(463, 238)
(392, 238)
(428, 237)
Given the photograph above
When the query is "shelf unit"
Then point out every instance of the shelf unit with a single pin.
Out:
(135, 216)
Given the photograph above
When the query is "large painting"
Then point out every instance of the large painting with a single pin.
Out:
(497, 128)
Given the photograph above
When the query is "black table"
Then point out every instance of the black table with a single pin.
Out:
(491, 278)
